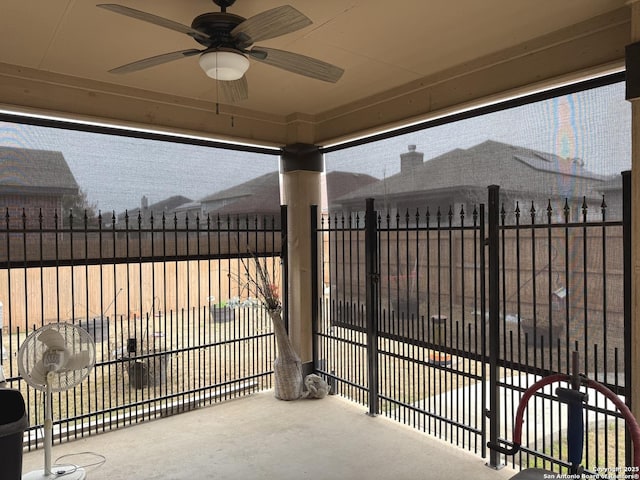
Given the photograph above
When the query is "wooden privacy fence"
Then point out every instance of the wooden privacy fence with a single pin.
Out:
(87, 272)
(34, 296)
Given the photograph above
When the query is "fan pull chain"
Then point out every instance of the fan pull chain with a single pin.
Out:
(217, 99)
(218, 106)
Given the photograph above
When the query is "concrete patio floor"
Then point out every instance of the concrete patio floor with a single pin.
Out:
(259, 437)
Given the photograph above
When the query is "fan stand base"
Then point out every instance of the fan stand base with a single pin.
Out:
(68, 472)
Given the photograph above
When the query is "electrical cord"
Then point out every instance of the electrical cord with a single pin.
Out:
(101, 461)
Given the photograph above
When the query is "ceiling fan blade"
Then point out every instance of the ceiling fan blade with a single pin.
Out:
(269, 24)
(153, 61)
(156, 20)
(52, 339)
(78, 361)
(234, 90)
(296, 63)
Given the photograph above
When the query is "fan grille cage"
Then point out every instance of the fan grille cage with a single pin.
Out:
(76, 340)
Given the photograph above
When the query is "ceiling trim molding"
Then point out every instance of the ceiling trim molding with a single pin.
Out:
(29, 90)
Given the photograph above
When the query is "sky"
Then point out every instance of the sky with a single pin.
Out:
(116, 171)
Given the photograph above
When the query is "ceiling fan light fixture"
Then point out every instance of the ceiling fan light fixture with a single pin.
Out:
(224, 65)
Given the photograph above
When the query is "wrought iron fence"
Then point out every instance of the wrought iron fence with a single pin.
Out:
(421, 342)
(441, 320)
(164, 299)
(561, 284)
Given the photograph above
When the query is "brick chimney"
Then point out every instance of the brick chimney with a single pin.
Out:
(410, 160)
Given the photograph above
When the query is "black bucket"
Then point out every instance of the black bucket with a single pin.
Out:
(13, 423)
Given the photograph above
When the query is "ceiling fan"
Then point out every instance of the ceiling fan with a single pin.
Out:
(228, 40)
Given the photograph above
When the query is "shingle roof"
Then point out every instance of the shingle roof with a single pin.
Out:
(489, 163)
(266, 181)
(614, 182)
(35, 171)
(158, 208)
(261, 195)
(340, 183)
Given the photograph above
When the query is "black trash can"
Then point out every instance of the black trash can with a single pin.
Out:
(13, 423)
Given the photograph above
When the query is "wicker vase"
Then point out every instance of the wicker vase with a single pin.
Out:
(287, 367)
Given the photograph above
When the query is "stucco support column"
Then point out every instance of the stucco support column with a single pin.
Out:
(633, 94)
(301, 166)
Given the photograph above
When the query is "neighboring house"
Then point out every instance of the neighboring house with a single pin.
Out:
(192, 211)
(256, 201)
(251, 201)
(145, 211)
(340, 184)
(33, 182)
(459, 179)
(612, 194)
(259, 199)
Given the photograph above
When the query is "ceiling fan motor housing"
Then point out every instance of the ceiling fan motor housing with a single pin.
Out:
(53, 359)
(218, 26)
